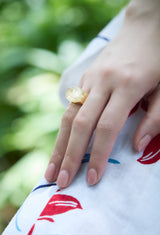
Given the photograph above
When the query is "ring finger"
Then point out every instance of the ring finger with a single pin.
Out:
(82, 129)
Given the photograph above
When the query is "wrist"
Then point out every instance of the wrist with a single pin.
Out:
(143, 9)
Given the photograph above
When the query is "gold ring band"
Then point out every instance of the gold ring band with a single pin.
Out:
(76, 95)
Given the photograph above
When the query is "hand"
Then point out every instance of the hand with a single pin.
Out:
(127, 70)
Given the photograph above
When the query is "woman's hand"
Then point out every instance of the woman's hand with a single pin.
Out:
(127, 70)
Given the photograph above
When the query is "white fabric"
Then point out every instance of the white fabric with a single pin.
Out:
(127, 199)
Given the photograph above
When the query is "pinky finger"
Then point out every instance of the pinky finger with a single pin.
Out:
(61, 143)
(150, 125)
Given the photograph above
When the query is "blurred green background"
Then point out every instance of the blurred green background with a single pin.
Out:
(38, 40)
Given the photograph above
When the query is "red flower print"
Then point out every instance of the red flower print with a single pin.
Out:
(58, 204)
(151, 153)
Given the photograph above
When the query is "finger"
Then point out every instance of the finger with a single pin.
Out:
(112, 120)
(82, 129)
(61, 142)
(150, 125)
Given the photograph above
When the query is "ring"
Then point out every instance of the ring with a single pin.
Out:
(76, 95)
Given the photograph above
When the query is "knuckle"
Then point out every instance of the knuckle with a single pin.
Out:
(106, 72)
(72, 160)
(86, 76)
(105, 126)
(129, 77)
(96, 154)
(127, 80)
(67, 117)
(83, 78)
(80, 122)
(56, 157)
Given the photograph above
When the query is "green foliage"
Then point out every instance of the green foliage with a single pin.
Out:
(39, 39)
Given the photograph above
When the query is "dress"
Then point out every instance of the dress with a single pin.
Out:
(127, 199)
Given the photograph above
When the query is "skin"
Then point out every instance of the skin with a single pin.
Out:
(126, 71)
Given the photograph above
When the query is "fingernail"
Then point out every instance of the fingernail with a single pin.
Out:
(63, 179)
(50, 172)
(92, 176)
(144, 142)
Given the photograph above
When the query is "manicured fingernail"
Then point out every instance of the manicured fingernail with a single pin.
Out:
(92, 176)
(63, 179)
(144, 142)
(50, 172)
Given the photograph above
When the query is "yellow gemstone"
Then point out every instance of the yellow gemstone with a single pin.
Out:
(76, 95)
